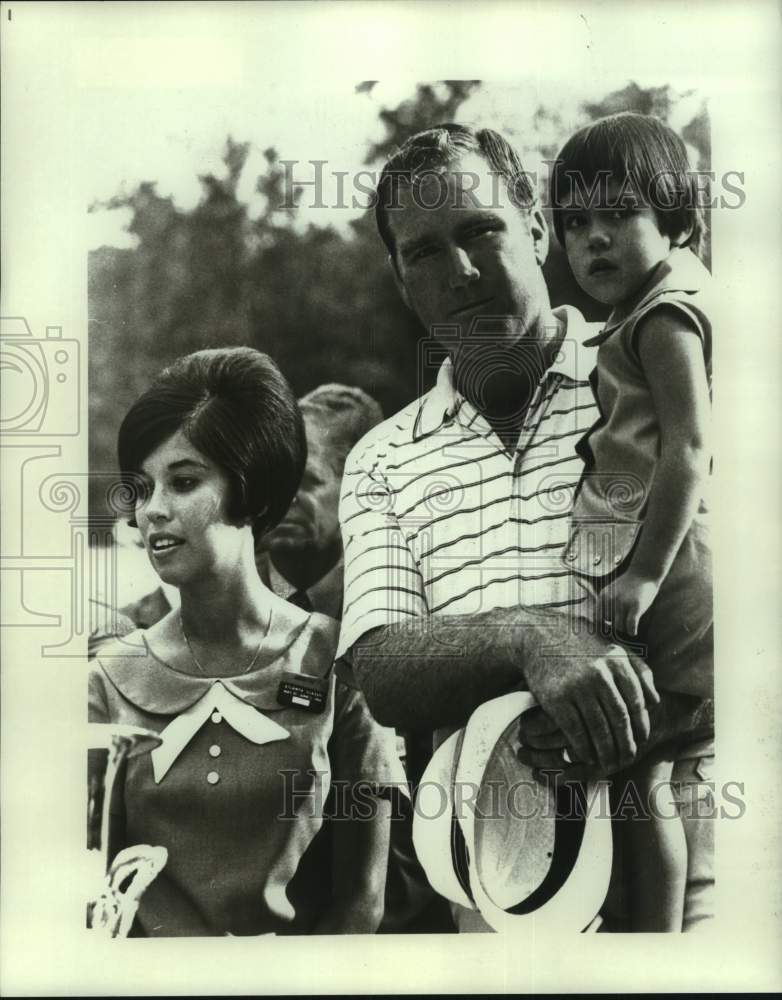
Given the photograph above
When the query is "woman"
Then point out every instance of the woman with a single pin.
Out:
(215, 450)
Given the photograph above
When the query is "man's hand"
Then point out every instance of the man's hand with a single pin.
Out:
(545, 749)
(624, 602)
(676, 719)
(596, 696)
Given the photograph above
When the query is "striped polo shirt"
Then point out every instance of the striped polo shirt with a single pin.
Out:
(439, 518)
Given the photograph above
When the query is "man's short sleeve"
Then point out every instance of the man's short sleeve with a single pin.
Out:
(382, 581)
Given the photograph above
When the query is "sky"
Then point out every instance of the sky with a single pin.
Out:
(162, 92)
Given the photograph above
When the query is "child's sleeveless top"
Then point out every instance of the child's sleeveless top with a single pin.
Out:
(622, 449)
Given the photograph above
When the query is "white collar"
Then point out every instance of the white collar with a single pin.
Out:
(243, 718)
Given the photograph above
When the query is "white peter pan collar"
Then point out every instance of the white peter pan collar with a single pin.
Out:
(243, 718)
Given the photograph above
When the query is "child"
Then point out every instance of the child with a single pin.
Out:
(625, 209)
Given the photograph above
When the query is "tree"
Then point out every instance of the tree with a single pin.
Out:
(431, 105)
(321, 302)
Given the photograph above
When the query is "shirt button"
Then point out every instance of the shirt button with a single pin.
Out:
(214, 750)
(216, 717)
(213, 777)
(570, 556)
(617, 559)
(597, 560)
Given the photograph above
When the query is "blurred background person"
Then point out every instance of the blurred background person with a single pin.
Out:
(301, 559)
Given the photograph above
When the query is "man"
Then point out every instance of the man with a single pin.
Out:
(455, 511)
(301, 559)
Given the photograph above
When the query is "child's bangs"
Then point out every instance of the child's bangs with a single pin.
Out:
(602, 161)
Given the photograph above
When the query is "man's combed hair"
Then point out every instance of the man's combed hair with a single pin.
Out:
(436, 149)
(235, 407)
(637, 151)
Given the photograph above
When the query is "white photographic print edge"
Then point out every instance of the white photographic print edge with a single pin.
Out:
(98, 98)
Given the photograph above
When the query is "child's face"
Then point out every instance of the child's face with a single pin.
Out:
(612, 251)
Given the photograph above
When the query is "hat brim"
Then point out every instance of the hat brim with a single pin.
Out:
(433, 822)
(563, 882)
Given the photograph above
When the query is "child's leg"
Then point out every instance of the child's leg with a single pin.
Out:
(657, 853)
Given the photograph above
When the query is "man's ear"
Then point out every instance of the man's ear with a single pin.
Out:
(539, 232)
(398, 281)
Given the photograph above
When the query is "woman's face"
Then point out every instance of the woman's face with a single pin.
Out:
(182, 514)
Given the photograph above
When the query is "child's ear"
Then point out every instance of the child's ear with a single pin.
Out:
(539, 232)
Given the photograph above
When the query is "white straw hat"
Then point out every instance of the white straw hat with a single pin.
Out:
(492, 838)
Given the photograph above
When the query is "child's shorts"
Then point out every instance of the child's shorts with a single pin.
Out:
(676, 635)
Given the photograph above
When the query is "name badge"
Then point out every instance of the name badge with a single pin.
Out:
(303, 691)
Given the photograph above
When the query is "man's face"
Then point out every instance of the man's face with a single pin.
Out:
(473, 256)
(311, 523)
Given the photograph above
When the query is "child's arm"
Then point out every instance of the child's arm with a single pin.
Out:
(656, 854)
(672, 358)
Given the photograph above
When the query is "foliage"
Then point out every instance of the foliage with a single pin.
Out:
(322, 303)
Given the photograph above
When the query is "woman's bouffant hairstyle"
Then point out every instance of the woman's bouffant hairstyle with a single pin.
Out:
(235, 407)
(438, 148)
(638, 149)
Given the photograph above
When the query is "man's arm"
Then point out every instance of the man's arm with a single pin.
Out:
(434, 671)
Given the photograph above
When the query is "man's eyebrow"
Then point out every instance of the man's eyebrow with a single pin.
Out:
(478, 218)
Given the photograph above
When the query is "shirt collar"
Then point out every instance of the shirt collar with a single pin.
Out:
(574, 360)
(238, 714)
(681, 271)
(440, 405)
(576, 357)
(296, 642)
